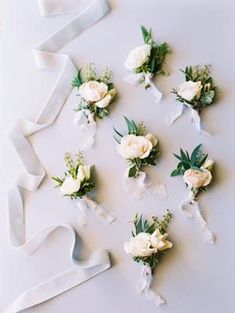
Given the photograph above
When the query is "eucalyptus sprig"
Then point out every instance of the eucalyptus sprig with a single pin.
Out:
(205, 93)
(78, 178)
(96, 91)
(138, 130)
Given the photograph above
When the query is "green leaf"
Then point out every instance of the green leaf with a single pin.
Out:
(133, 171)
(195, 154)
(77, 81)
(117, 132)
(177, 157)
(116, 139)
(138, 222)
(207, 97)
(146, 35)
(183, 156)
(203, 160)
(176, 172)
(132, 128)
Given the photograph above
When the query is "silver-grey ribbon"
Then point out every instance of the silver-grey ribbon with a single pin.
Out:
(191, 208)
(146, 78)
(85, 204)
(139, 187)
(195, 117)
(144, 286)
(47, 57)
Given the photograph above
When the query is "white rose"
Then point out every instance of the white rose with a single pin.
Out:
(139, 245)
(208, 164)
(152, 139)
(93, 91)
(197, 178)
(103, 103)
(189, 90)
(159, 241)
(133, 146)
(138, 57)
(70, 185)
(83, 173)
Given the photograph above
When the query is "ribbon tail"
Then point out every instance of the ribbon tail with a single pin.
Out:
(134, 79)
(85, 120)
(187, 205)
(100, 210)
(155, 91)
(173, 116)
(83, 211)
(208, 235)
(196, 119)
(143, 287)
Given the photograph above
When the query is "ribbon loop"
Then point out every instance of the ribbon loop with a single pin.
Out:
(139, 187)
(86, 203)
(47, 57)
(195, 117)
(146, 78)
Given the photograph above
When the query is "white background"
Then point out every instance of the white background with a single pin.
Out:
(194, 276)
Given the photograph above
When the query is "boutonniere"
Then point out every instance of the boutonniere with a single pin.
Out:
(196, 93)
(139, 149)
(96, 93)
(147, 245)
(146, 61)
(77, 184)
(196, 170)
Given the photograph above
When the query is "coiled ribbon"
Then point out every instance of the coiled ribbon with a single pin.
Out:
(47, 57)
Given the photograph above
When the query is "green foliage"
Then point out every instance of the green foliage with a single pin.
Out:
(89, 75)
(137, 163)
(208, 91)
(195, 161)
(157, 55)
(87, 185)
(77, 81)
(142, 225)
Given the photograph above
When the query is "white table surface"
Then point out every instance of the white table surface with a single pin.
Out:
(194, 276)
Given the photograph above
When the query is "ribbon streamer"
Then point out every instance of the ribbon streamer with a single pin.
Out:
(47, 57)
(140, 188)
(144, 286)
(85, 120)
(187, 206)
(86, 203)
(195, 117)
(135, 79)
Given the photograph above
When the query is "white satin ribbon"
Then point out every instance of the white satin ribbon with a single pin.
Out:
(144, 286)
(85, 120)
(85, 204)
(135, 79)
(195, 117)
(47, 57)
(139, 187)
(191, 208)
